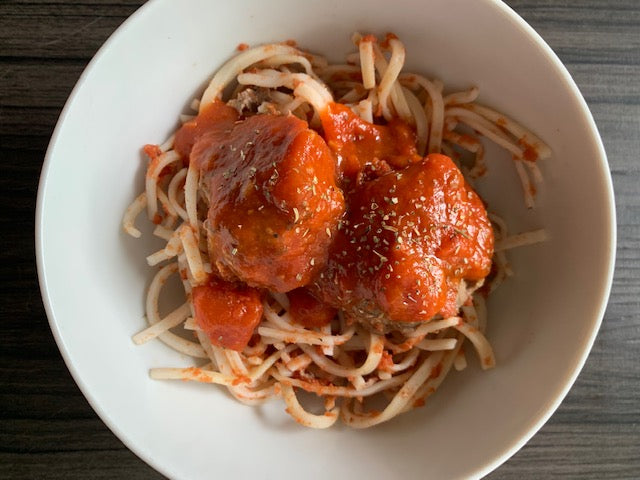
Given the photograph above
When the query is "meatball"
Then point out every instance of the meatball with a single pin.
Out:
(273, 201)
(408, 240)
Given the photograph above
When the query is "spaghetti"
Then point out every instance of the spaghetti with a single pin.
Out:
(294, 205)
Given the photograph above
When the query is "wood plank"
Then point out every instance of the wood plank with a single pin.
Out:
(53, 30)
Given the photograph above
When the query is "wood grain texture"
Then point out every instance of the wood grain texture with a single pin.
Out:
(48, 430)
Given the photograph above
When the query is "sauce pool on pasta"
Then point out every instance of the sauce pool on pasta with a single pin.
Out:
(322, 220)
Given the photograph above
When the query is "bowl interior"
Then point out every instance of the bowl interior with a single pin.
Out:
(541, 323)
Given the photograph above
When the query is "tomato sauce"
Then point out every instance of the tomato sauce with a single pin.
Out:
(154, 153)
(307, 311)
(215, 120)
(362, 147)
(227, 312)
(356, 216)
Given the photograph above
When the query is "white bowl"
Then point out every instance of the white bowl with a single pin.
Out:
(542, 322)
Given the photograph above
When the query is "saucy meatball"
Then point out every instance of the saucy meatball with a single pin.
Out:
(409, 239)
(273, 201)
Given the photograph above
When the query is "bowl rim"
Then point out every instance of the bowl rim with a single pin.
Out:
(606, 283)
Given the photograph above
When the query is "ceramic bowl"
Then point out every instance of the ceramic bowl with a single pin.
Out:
(542, 322)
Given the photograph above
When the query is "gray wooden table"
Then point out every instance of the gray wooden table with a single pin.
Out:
(47, 429)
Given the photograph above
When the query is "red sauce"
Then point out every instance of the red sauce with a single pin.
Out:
(386, 362)
(369, 38)
(530, 154)
(388, 37)
(435, 371)
(361, 146)
(215, 119)
(306, 310)
(152, 151)
(227, 312)
(412, 230)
